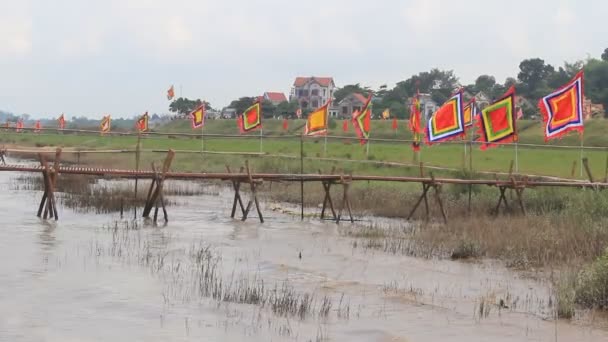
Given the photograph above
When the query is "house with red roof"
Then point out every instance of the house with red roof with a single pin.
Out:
(274, 97)
(351, 103)
(312, 92)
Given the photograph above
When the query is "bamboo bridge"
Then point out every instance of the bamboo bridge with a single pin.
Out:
(155, 198)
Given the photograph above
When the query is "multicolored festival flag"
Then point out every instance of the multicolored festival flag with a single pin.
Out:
(415, 123)
(251, 118)
(170, 93)
(106, 124)
(61, 121)
(362, 121)
(497, 121)
(562, 110)
(37, 127)
(470, 113)
(448, 121)
(316, 123)
(142, 123)
(198, 116)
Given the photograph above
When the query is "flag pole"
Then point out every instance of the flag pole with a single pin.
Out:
(367, 147)
(261, 137)
(137, 157)
(581, 156)
(302, 175)
(203, 138)
(516, 156)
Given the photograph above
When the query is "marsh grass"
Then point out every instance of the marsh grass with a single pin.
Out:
(197, 272)
(89, 194)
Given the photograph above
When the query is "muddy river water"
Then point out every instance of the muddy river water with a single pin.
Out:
(94, 277)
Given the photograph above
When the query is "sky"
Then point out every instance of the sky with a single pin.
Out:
(119, 57)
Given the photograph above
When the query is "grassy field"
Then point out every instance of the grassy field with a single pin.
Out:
(549, 160)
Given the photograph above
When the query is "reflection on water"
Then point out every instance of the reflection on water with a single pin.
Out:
(87, 278)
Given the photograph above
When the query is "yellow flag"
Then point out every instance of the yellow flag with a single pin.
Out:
(316, 123)
(386, 114)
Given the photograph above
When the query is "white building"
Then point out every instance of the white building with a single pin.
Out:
(312, 92)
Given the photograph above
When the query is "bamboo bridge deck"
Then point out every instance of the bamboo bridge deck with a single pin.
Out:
(246, 176)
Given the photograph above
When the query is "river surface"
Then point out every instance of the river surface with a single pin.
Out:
(94, 277)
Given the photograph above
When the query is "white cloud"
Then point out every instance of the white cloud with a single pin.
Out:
(15, 29)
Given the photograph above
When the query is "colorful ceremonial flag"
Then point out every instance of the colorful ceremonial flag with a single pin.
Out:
(520, 114)
(448, 121)
(345, 126)
(61, 121)
(142, 123)
(470, 113)
(386, 114)
(106, 124)
(37, 127)
(251, 118)
(170, 93)
(299, 113)
(362, 121)
(316, 123)
(19, 125)
(497, 121)
(395, 124)
(562, 110)
(285, 125)
(198, 116)
(415, 123)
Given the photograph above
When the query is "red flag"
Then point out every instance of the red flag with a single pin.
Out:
(285, 124)
(142, 123)
(362, 121)
(37, 127)
(170, 93)
(520, 114)
(61, 121)
(345, 126)
(414, 124)
(395, 124)
(19, 126)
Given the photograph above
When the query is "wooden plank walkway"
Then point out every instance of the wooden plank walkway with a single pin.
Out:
(158, 176)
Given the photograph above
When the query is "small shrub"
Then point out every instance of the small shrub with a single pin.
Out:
(564, 295)
(466, 249)
(592, 285)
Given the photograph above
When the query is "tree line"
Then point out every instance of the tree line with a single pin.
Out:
(535, 79)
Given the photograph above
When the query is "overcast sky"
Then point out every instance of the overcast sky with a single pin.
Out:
(89, 57)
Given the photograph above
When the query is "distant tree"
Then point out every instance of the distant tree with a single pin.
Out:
(596, 81)
(268, 109)
(605, 55)
(343, 92)
(485, 83)
(288, 109)
(184, 106)
(534, 75)
(242, 104)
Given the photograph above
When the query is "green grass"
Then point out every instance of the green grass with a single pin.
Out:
(532, 160)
